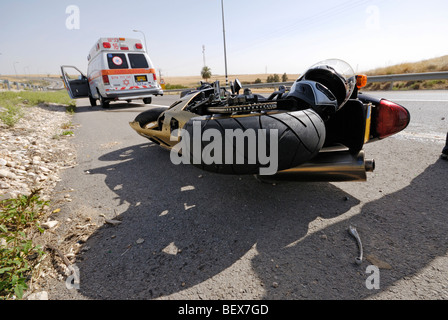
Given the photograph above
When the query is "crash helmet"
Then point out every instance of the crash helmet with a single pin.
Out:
(326, 85)
(336, 75)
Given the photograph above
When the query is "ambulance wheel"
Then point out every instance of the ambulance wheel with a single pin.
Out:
(147, 100)
(92, 101)
(103, 102)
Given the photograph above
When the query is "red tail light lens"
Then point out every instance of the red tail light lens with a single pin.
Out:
(106, 45)
(106, 79)
(138, 46)
(391, 118)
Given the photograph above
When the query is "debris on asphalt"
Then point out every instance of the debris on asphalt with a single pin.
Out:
(352, 230)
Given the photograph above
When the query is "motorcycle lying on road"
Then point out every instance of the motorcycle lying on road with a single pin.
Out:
(316, 129)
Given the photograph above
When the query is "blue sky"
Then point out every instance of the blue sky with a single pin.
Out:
(273, 36)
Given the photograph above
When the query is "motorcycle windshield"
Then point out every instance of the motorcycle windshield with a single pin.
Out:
(344, 72)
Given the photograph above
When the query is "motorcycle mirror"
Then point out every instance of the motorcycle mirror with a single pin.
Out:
(238, 86)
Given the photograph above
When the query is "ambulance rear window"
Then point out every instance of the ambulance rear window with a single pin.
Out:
(117, 61)
(138, 60)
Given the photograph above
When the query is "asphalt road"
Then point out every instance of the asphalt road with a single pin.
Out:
(188, 234)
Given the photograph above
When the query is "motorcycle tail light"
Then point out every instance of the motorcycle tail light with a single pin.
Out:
(106, 79)
(391, 118)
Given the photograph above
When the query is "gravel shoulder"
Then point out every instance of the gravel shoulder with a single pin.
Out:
(33, 155)
(34, 151)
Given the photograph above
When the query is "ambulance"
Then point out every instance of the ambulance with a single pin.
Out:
(118, 69)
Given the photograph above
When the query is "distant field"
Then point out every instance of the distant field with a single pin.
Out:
(192, 81)
(430, 65)
(33, 79)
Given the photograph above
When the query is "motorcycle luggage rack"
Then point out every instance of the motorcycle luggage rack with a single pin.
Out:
(244, 108)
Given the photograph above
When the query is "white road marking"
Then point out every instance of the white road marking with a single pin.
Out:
(158, 105)
(422, 136)
(414, 100)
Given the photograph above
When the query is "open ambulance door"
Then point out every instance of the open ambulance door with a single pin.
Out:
(76, 83)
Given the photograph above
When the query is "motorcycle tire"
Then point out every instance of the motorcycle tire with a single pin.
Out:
(147, 100)
(149, 116)
(103, 102)
(300, 134)
(92, 101)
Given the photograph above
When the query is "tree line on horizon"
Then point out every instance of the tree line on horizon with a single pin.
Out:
(206, 73)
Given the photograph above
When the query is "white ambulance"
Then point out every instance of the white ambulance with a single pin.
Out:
(118, 69)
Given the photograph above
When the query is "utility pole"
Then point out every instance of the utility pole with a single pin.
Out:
(224, 37)
(144, 38)
(203, 55)
(24, 70)
(15, 70)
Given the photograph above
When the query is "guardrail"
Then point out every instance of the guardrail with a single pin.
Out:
(409, 77)
(383, 78)
(17, 85)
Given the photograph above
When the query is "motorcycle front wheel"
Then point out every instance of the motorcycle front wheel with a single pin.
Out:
(149, 116)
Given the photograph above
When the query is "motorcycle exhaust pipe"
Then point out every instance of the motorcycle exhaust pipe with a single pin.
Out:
(334, 166)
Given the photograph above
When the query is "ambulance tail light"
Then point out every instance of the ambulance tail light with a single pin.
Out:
(106, 45)
(138, 46)
(106, 79)
(124, 48)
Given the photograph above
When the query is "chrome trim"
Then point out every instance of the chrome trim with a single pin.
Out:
(327, 166)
